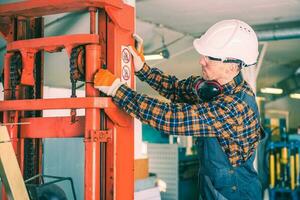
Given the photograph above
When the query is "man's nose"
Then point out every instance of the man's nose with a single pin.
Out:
(202, 61)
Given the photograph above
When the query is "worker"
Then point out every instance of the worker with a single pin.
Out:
(218, 108)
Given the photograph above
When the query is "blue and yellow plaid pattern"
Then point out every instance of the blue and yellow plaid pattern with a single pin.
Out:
(226, 117)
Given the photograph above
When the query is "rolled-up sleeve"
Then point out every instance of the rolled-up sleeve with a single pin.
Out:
(169, 86)
(169, 118)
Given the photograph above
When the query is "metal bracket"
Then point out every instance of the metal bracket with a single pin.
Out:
(28, 56)
(99, 136)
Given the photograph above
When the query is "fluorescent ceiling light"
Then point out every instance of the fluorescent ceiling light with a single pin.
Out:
(164, 54)
(154, 57)
(295, 95)
(271, 90)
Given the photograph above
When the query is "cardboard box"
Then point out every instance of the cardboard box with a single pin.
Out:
(141, 168)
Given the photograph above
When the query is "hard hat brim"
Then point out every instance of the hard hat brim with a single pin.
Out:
(197, 45)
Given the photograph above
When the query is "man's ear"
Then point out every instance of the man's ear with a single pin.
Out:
(229, 68)
(234, 67)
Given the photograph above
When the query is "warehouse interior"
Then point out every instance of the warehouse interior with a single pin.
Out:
(141, 162)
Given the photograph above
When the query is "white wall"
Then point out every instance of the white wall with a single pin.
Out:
(140, 148)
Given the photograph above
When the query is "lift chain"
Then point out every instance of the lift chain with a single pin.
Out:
(29, 158)
(77, 63)
(15, 73)
(77, 69)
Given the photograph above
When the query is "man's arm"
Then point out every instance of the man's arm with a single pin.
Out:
(169, 86)
(228, 118)
(170, 118)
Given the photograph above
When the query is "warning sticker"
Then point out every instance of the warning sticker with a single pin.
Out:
(126, 65)
(126, 56)
(125, 73)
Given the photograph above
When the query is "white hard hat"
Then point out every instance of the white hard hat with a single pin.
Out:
(229, 40)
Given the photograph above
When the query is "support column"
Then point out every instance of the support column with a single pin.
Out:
(92, 123)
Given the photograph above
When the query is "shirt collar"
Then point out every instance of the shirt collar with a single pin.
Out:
(230, 86)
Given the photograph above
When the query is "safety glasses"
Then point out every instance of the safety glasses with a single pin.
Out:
(227, 60)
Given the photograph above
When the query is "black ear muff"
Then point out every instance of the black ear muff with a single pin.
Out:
(206, 90)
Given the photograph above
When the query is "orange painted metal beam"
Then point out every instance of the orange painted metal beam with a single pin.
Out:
(52, 127)
(61, 103)
(34, 8)
(54, 43)
(120, 153)
(92, 123)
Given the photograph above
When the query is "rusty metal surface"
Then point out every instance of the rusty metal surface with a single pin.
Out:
(53, 43)
(52, 127)
(61, 103)
(34, 8)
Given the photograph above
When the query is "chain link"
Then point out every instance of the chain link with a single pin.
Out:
(76, 72)
(15, 73)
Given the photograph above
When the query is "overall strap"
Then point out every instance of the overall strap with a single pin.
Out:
(244, 96)
(250, 101)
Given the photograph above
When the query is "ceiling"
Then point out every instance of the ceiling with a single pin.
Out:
(194, 16)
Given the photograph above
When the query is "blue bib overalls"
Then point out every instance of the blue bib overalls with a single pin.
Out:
(218, 180)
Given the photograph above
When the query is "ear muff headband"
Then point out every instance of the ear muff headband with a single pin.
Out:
(208, 89)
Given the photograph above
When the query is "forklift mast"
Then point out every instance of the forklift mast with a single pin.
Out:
(107, 131)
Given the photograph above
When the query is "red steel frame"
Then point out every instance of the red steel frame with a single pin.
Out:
(113, 137)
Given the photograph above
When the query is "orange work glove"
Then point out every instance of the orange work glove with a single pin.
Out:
(106, 82)
(138, 54)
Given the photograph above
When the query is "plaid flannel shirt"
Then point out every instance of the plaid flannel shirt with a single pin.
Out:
(226, 117)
